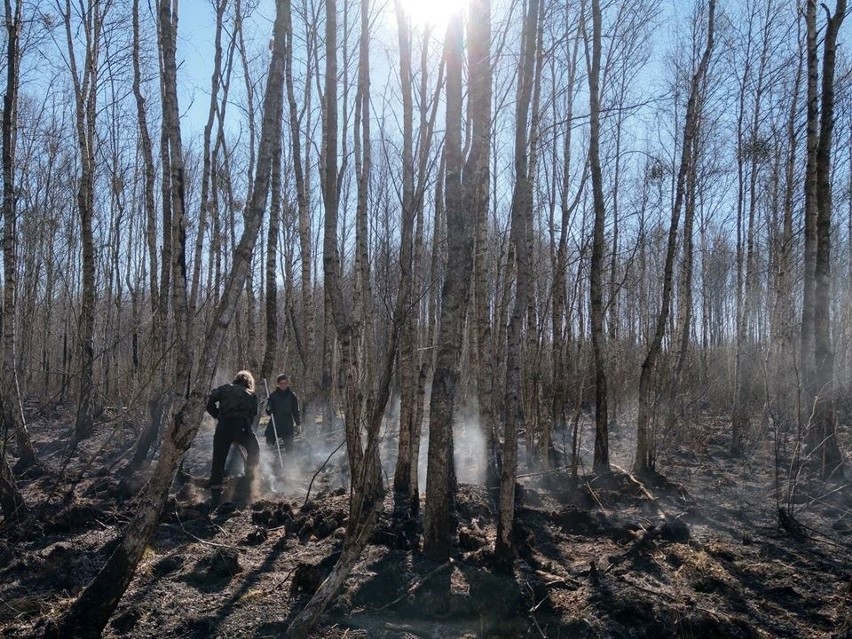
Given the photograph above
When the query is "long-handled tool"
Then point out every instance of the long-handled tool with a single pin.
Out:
(274, 428)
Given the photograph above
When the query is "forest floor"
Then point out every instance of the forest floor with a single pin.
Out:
(698, 554)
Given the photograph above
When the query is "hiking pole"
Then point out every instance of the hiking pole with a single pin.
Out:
(274, 428)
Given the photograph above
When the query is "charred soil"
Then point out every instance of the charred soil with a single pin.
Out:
(701, 553)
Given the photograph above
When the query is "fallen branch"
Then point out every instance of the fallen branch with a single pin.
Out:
(643, 490)
(534, 608)
(643, 540)
(199, 539)
(550, 580)
(545, 472)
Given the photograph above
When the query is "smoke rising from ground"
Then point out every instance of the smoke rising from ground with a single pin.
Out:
(469, 442)
(317, 443)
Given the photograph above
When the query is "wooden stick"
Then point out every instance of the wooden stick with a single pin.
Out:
(417, 585)
(319, 470)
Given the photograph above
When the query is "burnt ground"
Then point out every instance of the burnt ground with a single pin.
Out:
(698, 554)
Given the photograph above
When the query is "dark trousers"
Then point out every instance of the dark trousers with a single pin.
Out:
(233, 432)
(285, 433)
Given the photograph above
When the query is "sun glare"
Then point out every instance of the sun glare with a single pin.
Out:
(434, 13)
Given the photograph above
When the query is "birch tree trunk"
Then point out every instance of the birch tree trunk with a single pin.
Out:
(522, 201)
(205, 206)
(303, 204)
(827, 447)
(414, 176)
(266, 369)
(85, 83)
(407, 372)
(155, 403)
(440, 480)
(601, 457)
(13, 414)
(477, 180)
(645, 458)
(782, 333)
(560, 321)
(810, 214)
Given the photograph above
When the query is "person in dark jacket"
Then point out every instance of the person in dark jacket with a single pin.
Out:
(283, 405)
(234, 405)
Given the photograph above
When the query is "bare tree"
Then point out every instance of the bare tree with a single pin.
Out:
(13, 416)
(824, 436)
(440, 480)
(205, 205)
(476, 193)
(300, 173)
(85, 83)
(155, 404)
(560, 309)
(522, 203)
(645, 458)
(271, 271)
(367, 493)
(593, 59)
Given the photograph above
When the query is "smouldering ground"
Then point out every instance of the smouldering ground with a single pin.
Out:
(699, 555)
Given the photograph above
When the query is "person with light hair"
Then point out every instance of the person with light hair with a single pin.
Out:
(234, 405)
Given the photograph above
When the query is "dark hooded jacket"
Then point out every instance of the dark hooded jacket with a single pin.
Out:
(232, 402)
(284, 408)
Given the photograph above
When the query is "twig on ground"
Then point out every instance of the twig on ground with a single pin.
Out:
(650, 591)
(199, 539)
(545, 472)
(417, 585)
(595, 497)
(319, 470)
(535, 607)
(281, 582)
(397, 627)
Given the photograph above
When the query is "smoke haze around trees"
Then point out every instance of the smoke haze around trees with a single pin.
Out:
(541, 237)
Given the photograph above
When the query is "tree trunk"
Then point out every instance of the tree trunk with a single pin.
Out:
(827, 448)
(13, 415)
(152, 426)
(559, 311)
(85, 93)
(363, 170)
(522, 201)
(440, 479)
(645, 460)
(601, 458)
(206, 162)
(302, 200)
(407, 371)
(810, 215)
(477, 179)
(266, 369)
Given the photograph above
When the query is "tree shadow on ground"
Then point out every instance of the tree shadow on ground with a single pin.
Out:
(209, 625)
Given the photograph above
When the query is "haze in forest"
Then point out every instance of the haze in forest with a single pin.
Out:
(547, 239)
